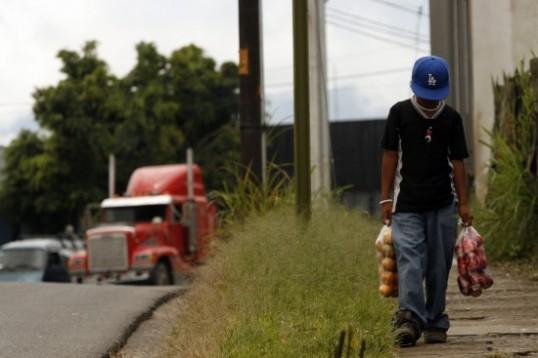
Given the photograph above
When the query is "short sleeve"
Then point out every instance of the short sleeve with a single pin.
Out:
(391, 136)
(457, 147)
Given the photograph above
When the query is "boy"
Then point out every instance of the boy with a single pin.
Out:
(424, 147)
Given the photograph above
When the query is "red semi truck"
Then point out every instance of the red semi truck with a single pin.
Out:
(156, 232)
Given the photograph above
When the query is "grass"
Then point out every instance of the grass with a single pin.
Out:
(247, 196)
(280, 288)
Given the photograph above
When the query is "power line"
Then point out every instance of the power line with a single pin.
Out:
(403, 83)
(359, 18)
(374, 36)
(389, 32)
(373, 74)
(349, 76)
(343, 56)
(399, 7)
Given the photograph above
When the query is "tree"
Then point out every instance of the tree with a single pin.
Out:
(161, 107)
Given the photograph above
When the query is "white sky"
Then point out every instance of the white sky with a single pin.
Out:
(33, 31)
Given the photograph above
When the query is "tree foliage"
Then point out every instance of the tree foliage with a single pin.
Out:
(150, 116)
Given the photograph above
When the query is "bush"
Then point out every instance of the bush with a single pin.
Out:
(510, 215)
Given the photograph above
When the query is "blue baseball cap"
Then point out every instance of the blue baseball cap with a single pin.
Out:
(431, 78)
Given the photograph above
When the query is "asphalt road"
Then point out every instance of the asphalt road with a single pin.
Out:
(67, 320)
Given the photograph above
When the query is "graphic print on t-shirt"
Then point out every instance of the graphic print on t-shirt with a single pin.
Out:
(428, 136)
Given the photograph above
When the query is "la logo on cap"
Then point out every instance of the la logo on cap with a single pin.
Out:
(431, 80)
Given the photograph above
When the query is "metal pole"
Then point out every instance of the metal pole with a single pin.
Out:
(250, 85)
(111, 175)
(190, 175)
(534, 86)
(320, 152)
(191, 206)
(301, 100)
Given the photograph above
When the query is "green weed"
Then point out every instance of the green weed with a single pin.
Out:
(249, 195)
(509, 216)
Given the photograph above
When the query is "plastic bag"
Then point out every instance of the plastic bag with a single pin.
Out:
(387, 268)
(472, 263)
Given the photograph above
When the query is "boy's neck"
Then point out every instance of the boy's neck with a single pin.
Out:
(426, 103)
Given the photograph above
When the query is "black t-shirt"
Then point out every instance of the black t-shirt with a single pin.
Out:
(426, 146)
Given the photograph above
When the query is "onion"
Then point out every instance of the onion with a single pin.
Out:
(487, 281)
(473, 262)
(468, 245)
(388, 278)
(388, 250)
(464, 286)
(388, 264)
(387, 237)
(462, 266)
(379, 245)
(476, 293)
(385, 290)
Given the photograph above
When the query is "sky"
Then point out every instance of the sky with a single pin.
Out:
(368, 63)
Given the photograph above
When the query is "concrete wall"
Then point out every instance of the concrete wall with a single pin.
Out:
(450, 39)
(524, 29)
(503, 32)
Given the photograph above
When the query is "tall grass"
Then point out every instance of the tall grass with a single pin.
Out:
(283, 289)
(510, 215)
(248, 195)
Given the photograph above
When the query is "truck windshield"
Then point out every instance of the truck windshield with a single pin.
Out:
(23, 259)
(132, 214)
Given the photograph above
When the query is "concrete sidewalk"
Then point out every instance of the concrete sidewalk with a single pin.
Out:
(503, 322)
(64, 320)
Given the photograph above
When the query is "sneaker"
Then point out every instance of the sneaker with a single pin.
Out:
(406, 329)
(435, 335)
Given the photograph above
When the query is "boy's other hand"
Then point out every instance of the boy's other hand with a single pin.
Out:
(386, 213)
(465, 214)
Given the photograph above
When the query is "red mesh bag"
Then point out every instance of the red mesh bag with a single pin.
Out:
(472, 263)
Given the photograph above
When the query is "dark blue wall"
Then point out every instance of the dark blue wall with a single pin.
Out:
(356, 149)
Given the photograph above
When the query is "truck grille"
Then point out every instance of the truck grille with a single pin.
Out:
(107, 253)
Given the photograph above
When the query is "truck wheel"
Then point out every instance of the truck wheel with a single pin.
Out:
(161, 276)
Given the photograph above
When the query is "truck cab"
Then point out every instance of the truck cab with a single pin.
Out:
(155, 233)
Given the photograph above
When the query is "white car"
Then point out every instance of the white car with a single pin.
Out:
(33, 260)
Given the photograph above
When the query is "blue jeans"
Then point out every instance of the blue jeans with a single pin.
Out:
(424, 245)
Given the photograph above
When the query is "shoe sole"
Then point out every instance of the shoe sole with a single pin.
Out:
(405, 343)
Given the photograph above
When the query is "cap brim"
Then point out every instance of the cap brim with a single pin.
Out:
(430, 94)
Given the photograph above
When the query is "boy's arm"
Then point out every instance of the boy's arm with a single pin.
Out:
(388, 171)
(459, 182)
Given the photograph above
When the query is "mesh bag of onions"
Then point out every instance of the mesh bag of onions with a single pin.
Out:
(386, 258)
(472, 263)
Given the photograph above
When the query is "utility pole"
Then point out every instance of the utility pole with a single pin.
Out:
(534, 86)
(320, 146)
(250, 86)
(302, 113)
(111, 175)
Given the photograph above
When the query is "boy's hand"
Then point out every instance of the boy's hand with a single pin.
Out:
(465, 214)
(386, 213)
